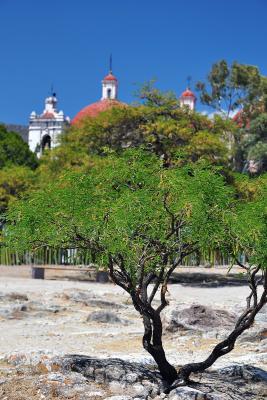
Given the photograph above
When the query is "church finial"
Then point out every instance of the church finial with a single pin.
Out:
(52, 91)
(189, 78)
(110, 63)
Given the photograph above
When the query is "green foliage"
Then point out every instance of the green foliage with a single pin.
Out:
(247, 188)
(158, 124)
(246, 222)
(14, 151)
(14, 181)
(248, 228)
(153, 97)
(254, 142)
(240, 86)
(206, 145)
(123, 207)
(115, 128)
(56, 162)
(16, 165)
(232, 87)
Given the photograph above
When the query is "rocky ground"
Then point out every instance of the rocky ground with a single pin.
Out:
(43, 321)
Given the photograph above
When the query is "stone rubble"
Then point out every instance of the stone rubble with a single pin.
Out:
(82, 378)
(87, 298)
(197, 317)
(106, 317)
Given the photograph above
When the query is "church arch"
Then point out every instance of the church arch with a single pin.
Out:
(46, 143)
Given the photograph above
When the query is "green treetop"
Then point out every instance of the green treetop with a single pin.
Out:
(253, 143)
(177, 135)
(14, 181)
(14, 151)
(231, 87)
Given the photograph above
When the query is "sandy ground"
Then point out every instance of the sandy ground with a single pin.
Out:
(68, 331)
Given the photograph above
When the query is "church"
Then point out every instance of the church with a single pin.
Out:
(45, 129)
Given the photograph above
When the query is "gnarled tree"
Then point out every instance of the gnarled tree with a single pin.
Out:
(141, 221)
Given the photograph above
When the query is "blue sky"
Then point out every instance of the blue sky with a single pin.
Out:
(68, 42)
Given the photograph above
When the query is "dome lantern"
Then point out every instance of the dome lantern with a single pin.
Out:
(110, 85)
(188, 99)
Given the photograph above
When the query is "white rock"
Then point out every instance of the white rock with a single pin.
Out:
(97, 393)
(119, 398)
(131, 378)
(140, 390)
(187, 393)
(117, 387)
(113, 373)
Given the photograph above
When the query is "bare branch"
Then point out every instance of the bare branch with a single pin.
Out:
(156, 286)
(142, 262)
(117, 277)
(149, 278)
(164, 302)
(241, 265)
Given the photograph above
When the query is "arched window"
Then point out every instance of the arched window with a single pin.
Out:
(109, 93)
(46, 143)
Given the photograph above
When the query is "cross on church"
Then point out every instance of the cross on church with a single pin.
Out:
(189, 78)
(110, 63)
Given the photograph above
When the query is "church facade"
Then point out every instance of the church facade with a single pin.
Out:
(45, 129)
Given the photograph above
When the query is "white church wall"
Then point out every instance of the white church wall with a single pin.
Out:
(51, 124)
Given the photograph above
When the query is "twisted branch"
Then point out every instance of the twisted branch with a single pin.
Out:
(244, 322)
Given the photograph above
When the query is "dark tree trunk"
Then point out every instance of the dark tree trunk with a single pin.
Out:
(152, 342)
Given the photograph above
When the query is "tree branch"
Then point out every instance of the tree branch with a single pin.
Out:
(244, 322)
(117, 277)
(156, 286)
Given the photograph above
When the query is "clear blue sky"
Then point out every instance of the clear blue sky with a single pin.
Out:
(68, 42)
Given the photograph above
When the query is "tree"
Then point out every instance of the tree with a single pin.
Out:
(16, 168)
(248, 188)
(13, 150)
(57, 161)
(14, 181)
(141, 221)
(232, 87)
(238, 87)
(253, 144)
(158, 123)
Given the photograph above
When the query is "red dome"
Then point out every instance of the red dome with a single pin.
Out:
(188, 93)
(110, 77)
(96, 108)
